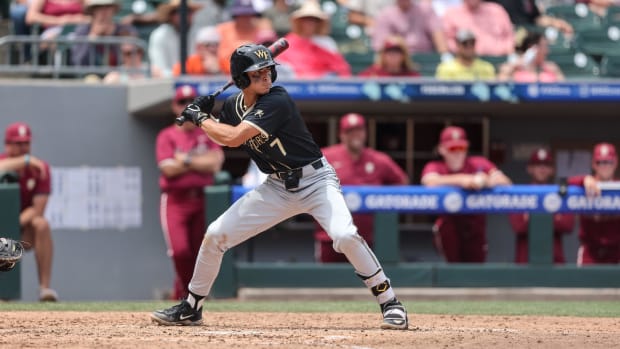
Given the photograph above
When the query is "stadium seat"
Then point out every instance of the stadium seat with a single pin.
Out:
(339, 19)
(612, 17)
(610, 66)
(359, 61)
(599, 42)
(497, 61)
(576, 65)
(558, 42)
(578, 15)
(427, 62)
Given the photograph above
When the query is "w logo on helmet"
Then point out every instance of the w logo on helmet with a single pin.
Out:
(263, 54)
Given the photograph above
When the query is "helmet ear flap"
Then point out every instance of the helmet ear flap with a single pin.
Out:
(274, 73)
(242, 81)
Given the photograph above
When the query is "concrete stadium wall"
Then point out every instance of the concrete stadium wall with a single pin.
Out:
(77, 124)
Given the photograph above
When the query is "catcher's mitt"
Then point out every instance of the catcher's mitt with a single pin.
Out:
(11, 252)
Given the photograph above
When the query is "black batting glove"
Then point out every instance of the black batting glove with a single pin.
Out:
(205, 103)
(192, 113)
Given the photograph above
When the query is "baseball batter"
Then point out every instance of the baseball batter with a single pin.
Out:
(264, 120)
(461, 238)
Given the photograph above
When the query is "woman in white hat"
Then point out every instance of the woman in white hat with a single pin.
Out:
(313, 53)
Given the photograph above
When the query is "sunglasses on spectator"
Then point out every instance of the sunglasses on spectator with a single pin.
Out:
(184, 101)
(129, 53)
(605, 162)
(457, 148)
(468, 43)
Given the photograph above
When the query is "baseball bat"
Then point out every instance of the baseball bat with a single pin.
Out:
(276, 48)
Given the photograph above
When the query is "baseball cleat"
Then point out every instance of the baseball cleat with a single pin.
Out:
(48, 295)
(179, 315)
(394, 316)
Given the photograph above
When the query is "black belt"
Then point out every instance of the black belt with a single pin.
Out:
(316, 164)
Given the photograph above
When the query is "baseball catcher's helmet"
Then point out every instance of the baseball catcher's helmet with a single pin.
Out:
(247, 58)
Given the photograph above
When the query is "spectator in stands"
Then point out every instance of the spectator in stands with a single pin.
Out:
(467, 65)
(599, 7)
(246, 23)
(204, 60)
(530, 63)
(392, 60)
(18, 12)
(188, 160)
(356, 164)
(541, 169)
(35, 188)
(599, 234)
(280, 16)
(133, 66)
(54, 15)
(102, 24)
(488, 21)
(212, 13)
(362, 12)
(441, 6)
(461, 238)
(416, 23)
(527, 13)
(165, 40)
(313, 53)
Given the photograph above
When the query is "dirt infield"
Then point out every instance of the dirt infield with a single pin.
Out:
(286, 330)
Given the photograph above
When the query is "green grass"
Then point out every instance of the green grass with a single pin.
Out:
(550, 308)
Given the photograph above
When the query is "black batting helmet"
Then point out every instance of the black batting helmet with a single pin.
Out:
(247, 58)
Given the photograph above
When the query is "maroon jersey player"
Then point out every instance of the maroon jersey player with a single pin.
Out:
(356, 164)
(540, 167)
(187, 160)
(599, 234)
(458, 237)
(35, 188)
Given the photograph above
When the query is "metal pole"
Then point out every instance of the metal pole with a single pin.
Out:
(184, 28)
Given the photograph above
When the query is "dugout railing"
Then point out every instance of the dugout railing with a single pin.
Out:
(387, 202)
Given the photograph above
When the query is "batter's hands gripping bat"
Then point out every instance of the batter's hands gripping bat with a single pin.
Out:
(276, 48)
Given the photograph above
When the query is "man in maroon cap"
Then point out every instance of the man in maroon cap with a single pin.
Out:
(461, 238)
(356, 164)
(599, 234)
(35, 188)
(541, 168)
(187, 161)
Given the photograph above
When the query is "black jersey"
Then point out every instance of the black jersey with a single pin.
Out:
(284, 141)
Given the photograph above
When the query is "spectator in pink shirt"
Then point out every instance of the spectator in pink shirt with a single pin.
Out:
(313, 53)
(530, 63)
(488, 21)
(416, 22)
